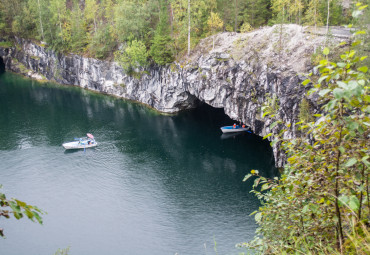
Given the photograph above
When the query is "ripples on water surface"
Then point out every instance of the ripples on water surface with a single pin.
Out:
(155, 184)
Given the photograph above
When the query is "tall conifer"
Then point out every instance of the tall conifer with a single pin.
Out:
(162, 50)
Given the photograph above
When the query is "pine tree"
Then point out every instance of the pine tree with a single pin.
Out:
(312, 16)
(131, 20)
(162, 50)
(40, 18)
(256, 12)
(91, 13)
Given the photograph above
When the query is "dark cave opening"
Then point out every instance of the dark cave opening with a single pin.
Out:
(209, 120)
(2, 66)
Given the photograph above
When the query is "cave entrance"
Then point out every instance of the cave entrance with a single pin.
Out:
(2, 66)
(242, 152)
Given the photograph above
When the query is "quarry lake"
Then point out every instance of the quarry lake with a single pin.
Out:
(155, 184)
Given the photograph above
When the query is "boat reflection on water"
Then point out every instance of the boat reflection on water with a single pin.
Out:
(231, 135)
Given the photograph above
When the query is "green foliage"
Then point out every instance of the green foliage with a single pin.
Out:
(131, 19)
(228, 28)
(162, 50)
(246, 27)
(94, 28)
(337, 16)
(133, 56)
(316, 57)
(18, 209)
(256, 12)
(64, 251)
(102, 43)
(320, 204)
(24, 25)
(362, 24)
(312, 16)
(214, 22)
(2, 23)
(6, 44)
(270, 106)
(78, 36)
(305, 114)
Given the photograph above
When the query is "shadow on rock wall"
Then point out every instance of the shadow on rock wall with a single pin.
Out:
(2, 66)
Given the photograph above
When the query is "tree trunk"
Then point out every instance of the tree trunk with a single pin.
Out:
(315, 21)
(327, 19)
(236, 15)
(314, 48)
(340, 237)
(252, 15)
(361, 193)
(171, 19)
(42, 29)
(188, 27)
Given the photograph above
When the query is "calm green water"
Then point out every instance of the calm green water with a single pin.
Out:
(155, 184)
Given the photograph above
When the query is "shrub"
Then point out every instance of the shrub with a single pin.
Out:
(133, 56)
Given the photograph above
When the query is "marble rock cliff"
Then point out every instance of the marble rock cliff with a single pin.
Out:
(240, 74)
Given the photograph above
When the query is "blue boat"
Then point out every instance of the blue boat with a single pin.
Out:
(235, 128)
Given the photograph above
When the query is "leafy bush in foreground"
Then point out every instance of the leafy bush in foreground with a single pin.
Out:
(18, 209)
(321, 204)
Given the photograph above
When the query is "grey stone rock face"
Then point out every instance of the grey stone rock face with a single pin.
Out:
(238, 75)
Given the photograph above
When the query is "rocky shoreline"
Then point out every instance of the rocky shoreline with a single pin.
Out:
(241, 73)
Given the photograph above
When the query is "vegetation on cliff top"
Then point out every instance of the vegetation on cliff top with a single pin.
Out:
(98, 28)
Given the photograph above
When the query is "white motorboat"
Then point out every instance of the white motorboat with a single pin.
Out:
(81, 143)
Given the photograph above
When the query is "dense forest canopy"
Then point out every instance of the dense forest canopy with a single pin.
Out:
(160, 29)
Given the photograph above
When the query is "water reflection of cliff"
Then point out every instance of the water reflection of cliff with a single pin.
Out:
(53, 114)
(175, 169)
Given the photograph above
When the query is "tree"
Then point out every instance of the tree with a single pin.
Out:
(40, 19)
(256, 13)
(312, 16)
(91, 13)
(189, 27)
(130, 19)
(327, 18)
(24, 23)
(280, 7)
(102, 42)
(78, 32)
(236, 10)
(332, 10)
(246, 27)
(214, 23)
(10, 9)
(58, 17)
(162, 50)
(18, 209)
(2, 23)
(133, 56)
(295, 10)
(320, 204)
(362, 22)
